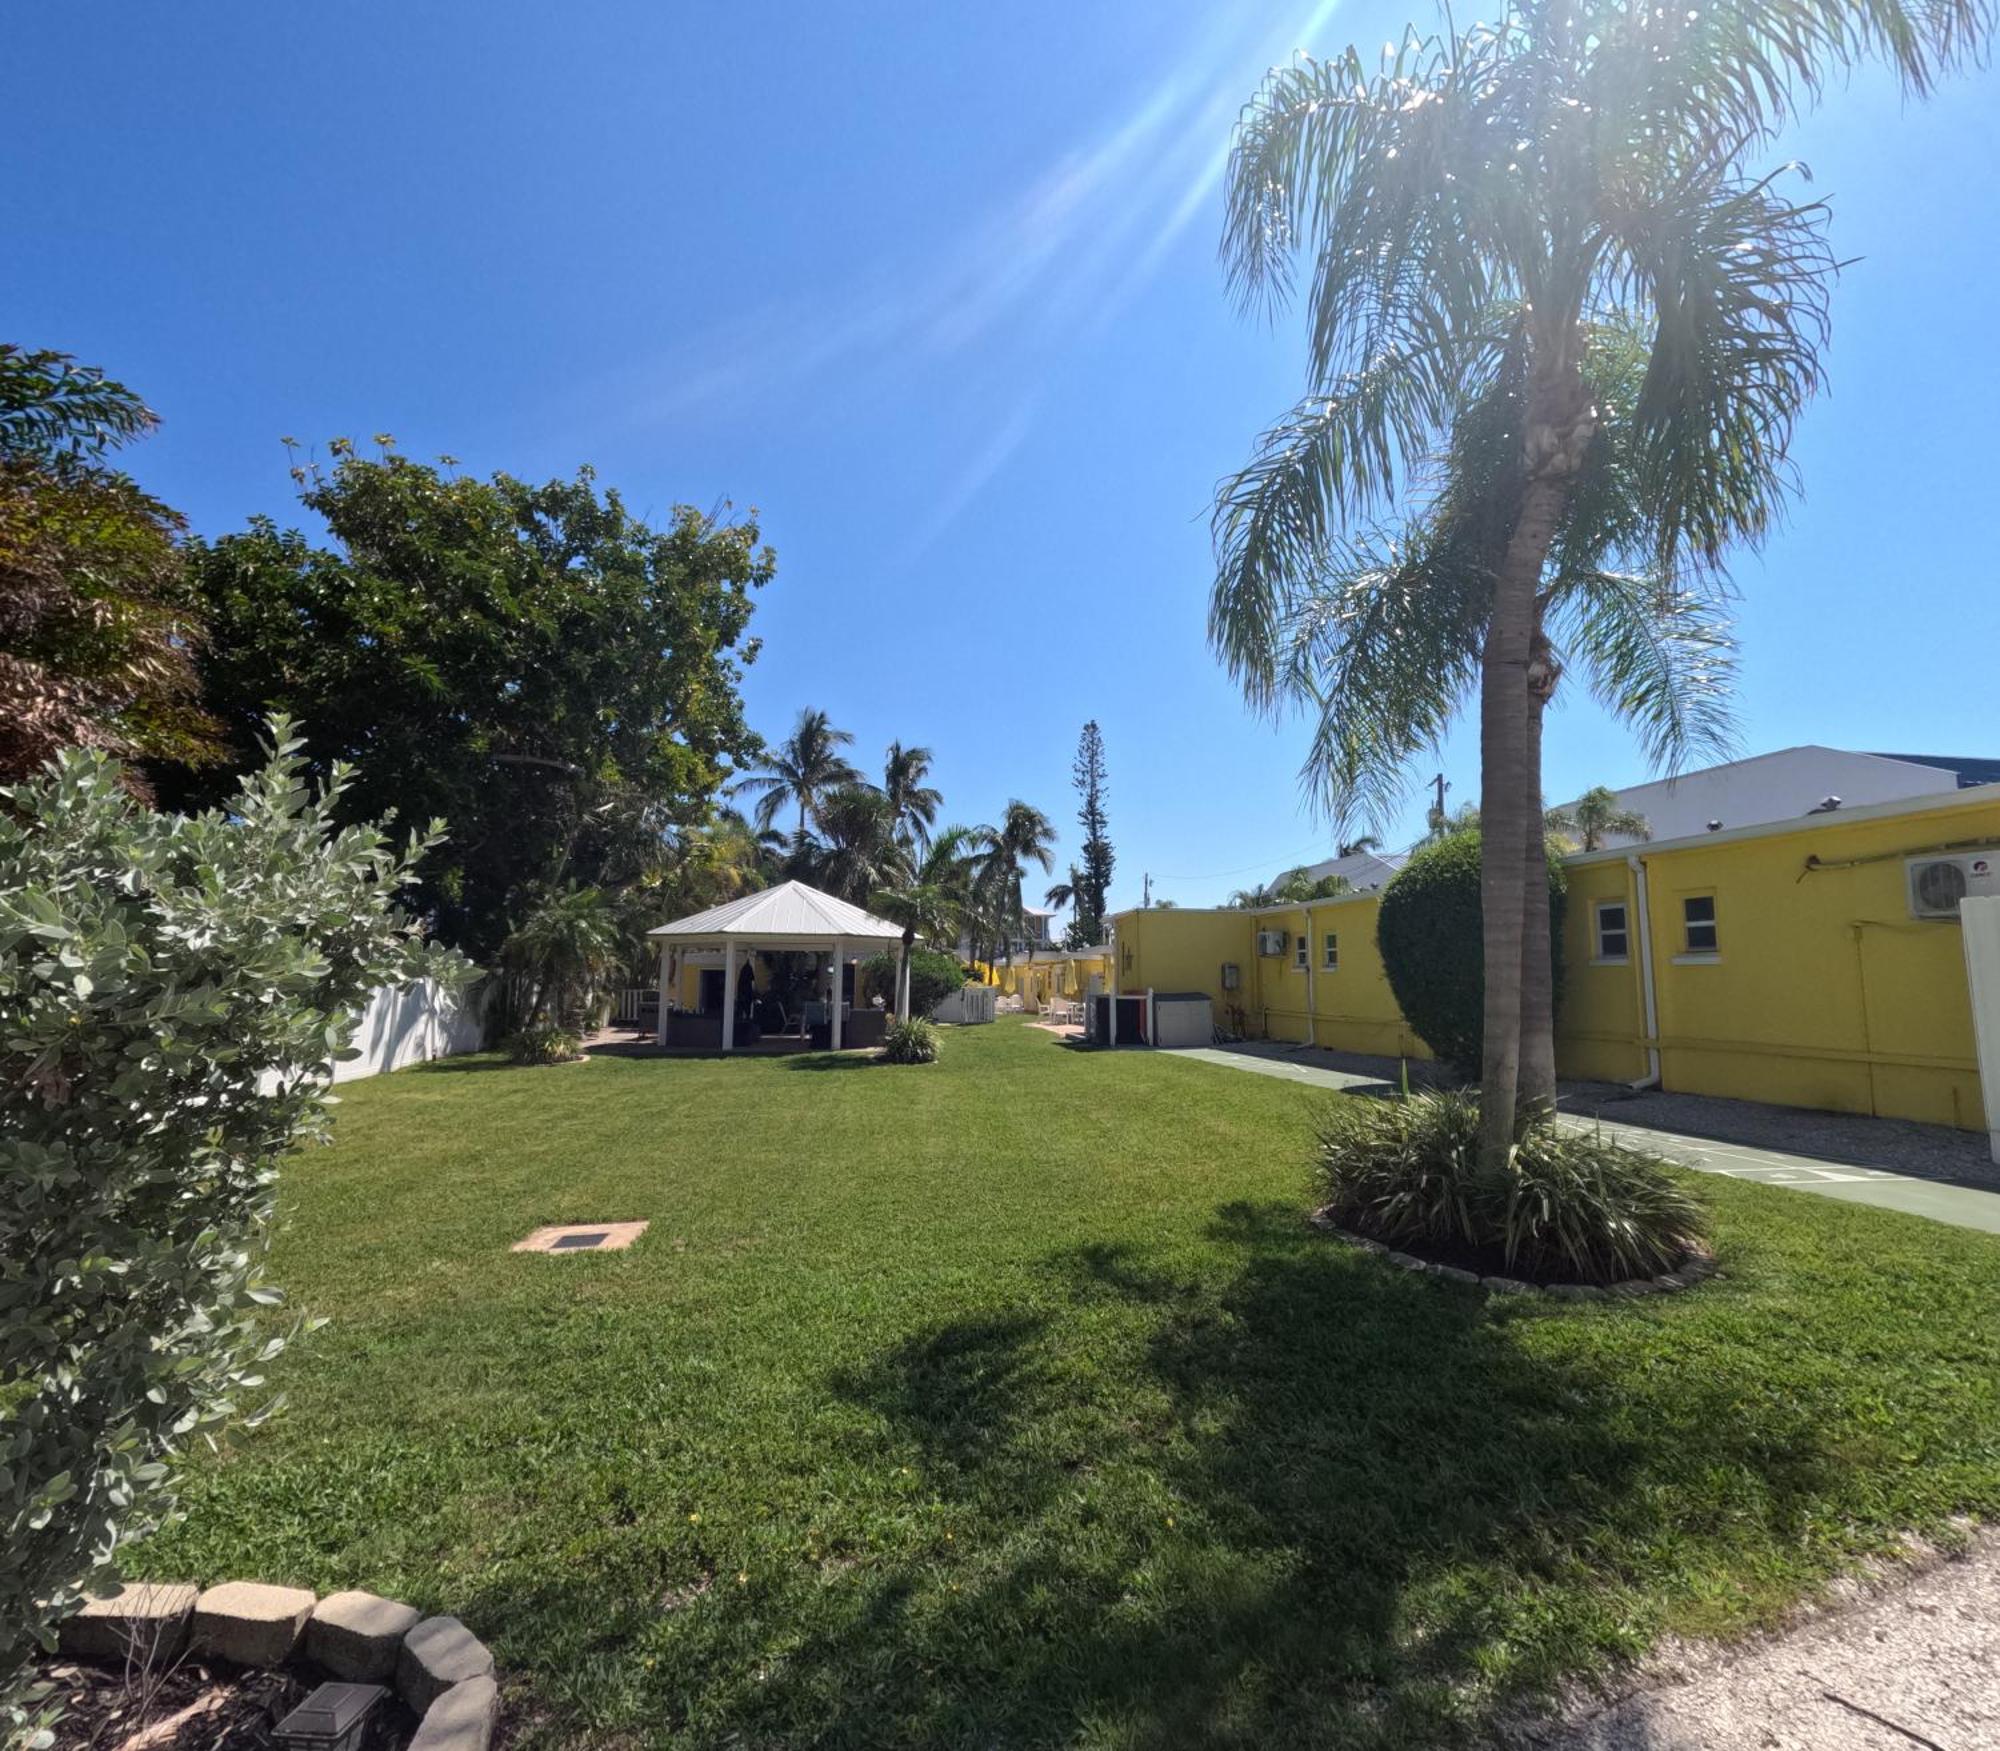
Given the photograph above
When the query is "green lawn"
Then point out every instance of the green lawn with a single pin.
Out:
(1010, 1402)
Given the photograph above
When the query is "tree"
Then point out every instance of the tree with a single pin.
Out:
(1355, 847)
(562, 951)
(1023, 837)
(1098, 859)
(98, 624)
(1596, 816)
(1555, 313)
(914, 802)
(802, 770)
(1295, 887)
(858, 851)
(533, 663)
(173, 991)
(931, 902)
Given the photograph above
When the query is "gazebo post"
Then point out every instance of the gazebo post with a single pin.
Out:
(728, 995)
(839, 978)
(666, 985)
(903, 988)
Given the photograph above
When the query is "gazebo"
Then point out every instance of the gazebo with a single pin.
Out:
(790, 917)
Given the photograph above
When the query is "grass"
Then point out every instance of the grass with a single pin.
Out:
(1010, 1401)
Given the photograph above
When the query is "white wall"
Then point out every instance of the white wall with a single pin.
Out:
(413, 1026)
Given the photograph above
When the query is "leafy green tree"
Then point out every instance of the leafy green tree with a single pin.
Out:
(802, 770)
(1092, 884)
(933, 898)
(97, 620)
(1556, 314)
(1293, 888)
(914, 802)
(533, 663)
(1023, 837)
(1596, 816)
(173, 992)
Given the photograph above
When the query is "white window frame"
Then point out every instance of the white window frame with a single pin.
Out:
(1690, 955)
(1330, 952)
(1302, 954)
(1600, 955)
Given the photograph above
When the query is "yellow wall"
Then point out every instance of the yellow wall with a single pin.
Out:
(1824, 992)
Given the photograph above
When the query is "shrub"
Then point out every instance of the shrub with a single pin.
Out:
(1433, 946)
(173, 992)
(933, 978)
(1570, 1207)
(544, 1044)
(911, 1042)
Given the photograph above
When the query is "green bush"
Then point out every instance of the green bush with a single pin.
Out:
(173, 993)
(1433, 946)
(1571, 1207)
(544, 1045)
(911, 1042)
(933, 978)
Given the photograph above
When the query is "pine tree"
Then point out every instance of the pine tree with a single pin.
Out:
(1097, 858)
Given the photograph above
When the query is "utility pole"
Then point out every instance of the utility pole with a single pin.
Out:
(1147, 904)
(1442, 787)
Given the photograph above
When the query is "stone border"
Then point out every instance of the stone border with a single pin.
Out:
(1694, 1267)
(434, 1664)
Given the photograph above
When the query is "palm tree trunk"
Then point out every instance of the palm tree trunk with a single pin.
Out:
(1560, 423)
(1537, 1096)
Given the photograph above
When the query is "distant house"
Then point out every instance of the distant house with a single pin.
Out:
(1361, 870)
(1790, 784)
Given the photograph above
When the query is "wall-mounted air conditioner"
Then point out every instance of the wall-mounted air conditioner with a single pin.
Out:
(1937, 884)
(1270, 942)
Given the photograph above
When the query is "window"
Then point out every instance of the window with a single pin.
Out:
(1299, 953)
(1614, 934)
(1332, 961)
(1698, 916)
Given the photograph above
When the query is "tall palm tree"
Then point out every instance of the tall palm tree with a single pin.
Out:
(1555, 313)
(1066, 892)
(916, 803)
(801, 770)
(1595, 816)
(1023, 837)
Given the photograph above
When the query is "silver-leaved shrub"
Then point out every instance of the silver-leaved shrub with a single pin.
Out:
(173, 993)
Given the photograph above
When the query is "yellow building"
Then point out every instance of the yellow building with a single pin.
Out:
(1797, 962)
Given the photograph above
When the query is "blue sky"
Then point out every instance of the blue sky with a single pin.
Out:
(933, 287)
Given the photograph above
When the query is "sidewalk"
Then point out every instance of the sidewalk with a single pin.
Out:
(1922, 1170)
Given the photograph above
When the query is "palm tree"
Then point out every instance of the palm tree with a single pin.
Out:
(858, 852)
(1595, 816)
(1065, 892)
(1249, 899)
(1554, 313)
(916, 804)
(931, 903)
(562, 950)
(1354, 847)
(801, 770)
(1024, 836)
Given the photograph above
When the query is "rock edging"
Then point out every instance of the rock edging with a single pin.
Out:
(1693, 1268)
(435, 1664)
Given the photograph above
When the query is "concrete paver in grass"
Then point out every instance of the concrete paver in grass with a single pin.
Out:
(1833, 1158)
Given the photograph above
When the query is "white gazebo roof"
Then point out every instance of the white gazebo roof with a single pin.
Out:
(789, 913)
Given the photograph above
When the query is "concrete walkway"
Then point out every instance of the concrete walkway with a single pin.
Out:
(1835, 1155)
(1909, 1666)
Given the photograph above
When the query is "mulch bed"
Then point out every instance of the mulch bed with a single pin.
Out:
(193, 1706)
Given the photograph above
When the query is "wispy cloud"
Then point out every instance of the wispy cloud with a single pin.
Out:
(1058, 261)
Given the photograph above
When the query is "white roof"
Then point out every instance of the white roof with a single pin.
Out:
(790, 912)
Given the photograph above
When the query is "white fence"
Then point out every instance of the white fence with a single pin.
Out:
(968, 1004)
(412, 1026)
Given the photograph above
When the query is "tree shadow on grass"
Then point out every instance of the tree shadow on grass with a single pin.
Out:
(1263, 1539)
(1261, 1491)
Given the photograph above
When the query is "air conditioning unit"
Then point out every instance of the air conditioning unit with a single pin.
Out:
(1937, 884)
(1271, 942)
